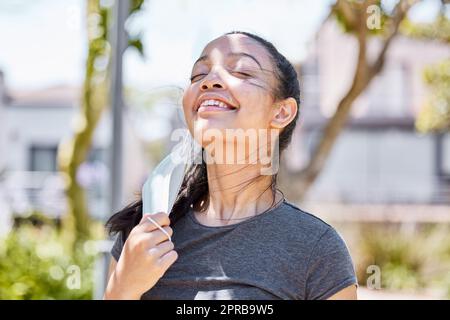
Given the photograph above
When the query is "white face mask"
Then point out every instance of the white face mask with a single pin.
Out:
(161, 188)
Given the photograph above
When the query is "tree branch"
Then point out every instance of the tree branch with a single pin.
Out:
(364, 73)
(400, 11)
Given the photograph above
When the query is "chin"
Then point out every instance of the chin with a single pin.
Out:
(213, 125)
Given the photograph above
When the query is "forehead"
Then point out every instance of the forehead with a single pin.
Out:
(237, 43)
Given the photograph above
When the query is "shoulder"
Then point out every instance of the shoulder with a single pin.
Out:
(297, 219)
(304, 230)
(323, 253)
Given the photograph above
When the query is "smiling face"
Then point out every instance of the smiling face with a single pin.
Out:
(231, 87)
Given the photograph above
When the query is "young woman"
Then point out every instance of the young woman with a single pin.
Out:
(233, 234)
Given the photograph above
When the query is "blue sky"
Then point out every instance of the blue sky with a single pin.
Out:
(42, 42)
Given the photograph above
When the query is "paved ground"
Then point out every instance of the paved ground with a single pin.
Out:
(368, 294)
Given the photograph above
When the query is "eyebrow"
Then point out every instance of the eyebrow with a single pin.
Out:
(232, 54)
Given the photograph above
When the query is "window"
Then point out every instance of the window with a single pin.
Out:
(43, 158)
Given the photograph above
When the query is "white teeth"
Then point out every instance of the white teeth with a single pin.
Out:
(213, 102)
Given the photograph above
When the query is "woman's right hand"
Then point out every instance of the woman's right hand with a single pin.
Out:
(146, 256)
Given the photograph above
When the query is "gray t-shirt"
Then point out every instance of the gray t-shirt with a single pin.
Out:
(283, 253)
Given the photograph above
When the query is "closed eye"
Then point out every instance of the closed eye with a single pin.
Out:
(197, 77)
(240, 73)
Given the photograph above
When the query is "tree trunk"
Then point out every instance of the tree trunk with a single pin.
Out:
(73, 153)
(364, 73)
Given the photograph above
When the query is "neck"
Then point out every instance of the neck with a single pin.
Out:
(237, 192)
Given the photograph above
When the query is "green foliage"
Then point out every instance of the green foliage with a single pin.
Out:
(35, 263)
(410, 258)
(436, 30)
(136, 6)
(137, 44)
(435, 114)
(135, 41)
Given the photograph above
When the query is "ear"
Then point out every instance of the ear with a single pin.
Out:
(283, 113)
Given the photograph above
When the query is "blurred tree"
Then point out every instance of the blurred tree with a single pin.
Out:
(362, 19)
(435, 114)
(74, 152)
(439, 29)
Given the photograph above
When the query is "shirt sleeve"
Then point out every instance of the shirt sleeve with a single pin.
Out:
(330, 267)
(117, 247)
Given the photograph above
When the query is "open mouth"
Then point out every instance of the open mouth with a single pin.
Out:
(214, 105)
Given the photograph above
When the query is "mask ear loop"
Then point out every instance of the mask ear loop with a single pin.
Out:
(160, 228)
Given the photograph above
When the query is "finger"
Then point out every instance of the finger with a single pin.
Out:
(168, 259)
(151, 239)
(161, 217)
(152, 222)
(161, 249)
(159, 236)
(160, 228)
(148, 240)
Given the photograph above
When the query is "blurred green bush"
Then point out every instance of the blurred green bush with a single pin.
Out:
(37, 263)
(411, 257)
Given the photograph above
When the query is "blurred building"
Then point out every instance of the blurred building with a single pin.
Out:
(32, 125)
(5, 212)
(379, 157)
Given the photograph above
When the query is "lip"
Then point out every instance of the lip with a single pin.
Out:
(214, 97)
(212, 110)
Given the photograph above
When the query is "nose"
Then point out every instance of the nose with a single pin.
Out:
(212, 81)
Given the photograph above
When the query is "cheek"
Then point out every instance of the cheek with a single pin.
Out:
(252, 94)
(256, 104)
(188, 102)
